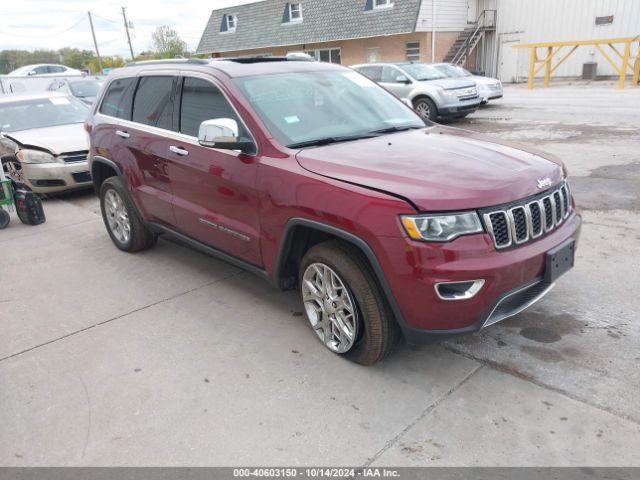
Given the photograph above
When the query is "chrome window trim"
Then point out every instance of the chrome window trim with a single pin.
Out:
(170, 133)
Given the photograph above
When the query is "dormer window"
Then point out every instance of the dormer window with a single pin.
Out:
(382, 4)
(295, 12)
(232, 21)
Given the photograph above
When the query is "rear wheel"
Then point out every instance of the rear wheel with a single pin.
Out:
(426, 108)
(125, 227)
(344, 304)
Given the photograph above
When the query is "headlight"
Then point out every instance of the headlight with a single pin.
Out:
(35, 156)
(441, 228)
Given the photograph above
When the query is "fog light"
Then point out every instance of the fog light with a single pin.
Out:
(458, 290)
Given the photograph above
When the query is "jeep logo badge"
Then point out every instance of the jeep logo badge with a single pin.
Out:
(544, 183)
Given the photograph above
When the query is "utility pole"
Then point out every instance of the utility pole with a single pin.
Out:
(95, 42)
(126, 27)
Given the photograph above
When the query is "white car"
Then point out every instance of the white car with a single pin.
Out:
(43, 143)
(488, 88)
(45, 70)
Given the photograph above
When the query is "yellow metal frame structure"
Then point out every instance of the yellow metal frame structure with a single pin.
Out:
(553, 48)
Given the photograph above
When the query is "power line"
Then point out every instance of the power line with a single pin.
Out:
(80, 20)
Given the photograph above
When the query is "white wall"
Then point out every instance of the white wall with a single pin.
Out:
(451, 15)
(527, 21)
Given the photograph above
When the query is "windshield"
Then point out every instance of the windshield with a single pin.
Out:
(308, 106)
(420, 71)
(453, 71)
(41, 112)
(85, 88)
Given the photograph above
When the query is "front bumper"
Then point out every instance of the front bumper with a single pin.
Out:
(56, 177)
(460, 108)
(513, 278)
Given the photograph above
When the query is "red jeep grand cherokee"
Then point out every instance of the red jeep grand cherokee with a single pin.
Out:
(312, 176)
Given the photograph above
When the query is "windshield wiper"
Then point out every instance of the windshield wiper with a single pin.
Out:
(327, 140)
(396, 128)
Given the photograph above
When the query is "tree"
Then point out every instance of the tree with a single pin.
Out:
(167, 43)
(107, 62)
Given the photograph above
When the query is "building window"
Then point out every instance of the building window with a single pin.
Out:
(329, 55)
(232, 21)
(382, 4)
(295, 12)
(412, 51)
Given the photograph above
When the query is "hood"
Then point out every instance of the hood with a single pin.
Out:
(57, 140)
(449, 83)
(437, 168)
(484, 80)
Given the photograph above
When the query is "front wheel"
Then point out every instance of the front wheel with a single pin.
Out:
(5, 218)
(344, 304)
(426, 109)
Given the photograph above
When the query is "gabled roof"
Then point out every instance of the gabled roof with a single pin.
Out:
(262, 24)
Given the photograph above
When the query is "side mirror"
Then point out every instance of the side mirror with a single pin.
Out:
(222, 133)
(402, 79)
(31, 72)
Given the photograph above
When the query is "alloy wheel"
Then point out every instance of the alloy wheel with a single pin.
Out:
(330, 307)
(422, 109)
(117, 216)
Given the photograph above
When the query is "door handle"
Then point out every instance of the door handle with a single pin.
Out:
(178, 150)
(122, 133)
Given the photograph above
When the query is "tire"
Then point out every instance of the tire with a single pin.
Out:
(117, 215)
(426, 109)
(376, 332)
(5, 218)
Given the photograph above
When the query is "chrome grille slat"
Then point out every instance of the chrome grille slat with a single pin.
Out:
(521, 222)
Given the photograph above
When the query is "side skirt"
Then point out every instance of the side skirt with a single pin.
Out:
(214, 252)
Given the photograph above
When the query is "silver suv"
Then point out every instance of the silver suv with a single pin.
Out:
(431, 93)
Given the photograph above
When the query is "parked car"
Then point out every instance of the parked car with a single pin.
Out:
(43, 143)
(84, 89)
(45, 70)
(311, 175)
(432, 94)
(488, 88)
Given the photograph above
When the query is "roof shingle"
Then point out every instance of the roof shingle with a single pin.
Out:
(260, 24)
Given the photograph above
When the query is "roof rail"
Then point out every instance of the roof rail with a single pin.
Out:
(169, 61)
(290, 57)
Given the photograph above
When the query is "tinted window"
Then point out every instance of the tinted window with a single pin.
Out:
(153, 102)
(374, 73)
(117, 100)
(54, 69)
(389, 75)
(202, 100)
(41, 70)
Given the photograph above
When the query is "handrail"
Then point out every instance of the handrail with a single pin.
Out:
(480, 23)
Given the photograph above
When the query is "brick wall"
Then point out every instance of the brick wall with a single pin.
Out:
(388, 48)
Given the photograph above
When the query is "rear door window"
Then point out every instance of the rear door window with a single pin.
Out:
(117, 101)
(202, 100)
(374, 73)
(154, 101)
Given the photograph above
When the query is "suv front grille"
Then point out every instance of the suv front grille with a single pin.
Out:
(523, 221)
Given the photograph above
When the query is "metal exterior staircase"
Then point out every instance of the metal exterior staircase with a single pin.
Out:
(470, 36)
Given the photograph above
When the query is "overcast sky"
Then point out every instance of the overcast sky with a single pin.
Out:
(52, 24)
